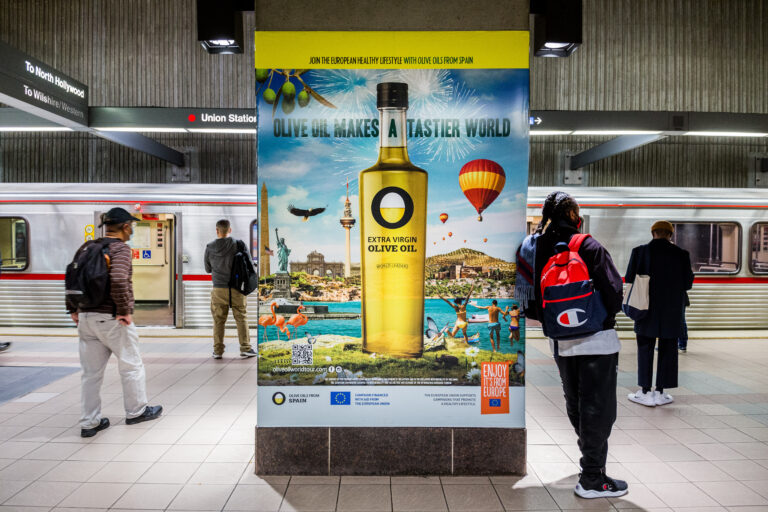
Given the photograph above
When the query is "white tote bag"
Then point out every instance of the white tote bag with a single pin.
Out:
(636, 300)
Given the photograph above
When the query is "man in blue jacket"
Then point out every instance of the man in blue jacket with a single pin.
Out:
(588, 366)
(669, 268)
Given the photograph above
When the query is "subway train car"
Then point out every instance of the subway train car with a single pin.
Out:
(42, 225)
(724, 230)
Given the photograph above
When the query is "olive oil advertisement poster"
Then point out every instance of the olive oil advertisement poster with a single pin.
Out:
(393, 170)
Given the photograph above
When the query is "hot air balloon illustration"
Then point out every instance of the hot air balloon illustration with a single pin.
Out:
(443, 238)
(434, 243)
(465, 241)
(481, 181)
(443, 217)
(485, 240)
(450, 233)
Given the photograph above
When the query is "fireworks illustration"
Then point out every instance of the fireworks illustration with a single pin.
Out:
(353, 90)
(428, 89)
(432, 94)
(463, 104)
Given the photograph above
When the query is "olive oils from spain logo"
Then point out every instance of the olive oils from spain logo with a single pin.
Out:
(392, 207)
(278, 398)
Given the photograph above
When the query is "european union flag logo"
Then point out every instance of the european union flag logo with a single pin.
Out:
(341, 397)
(494, 402)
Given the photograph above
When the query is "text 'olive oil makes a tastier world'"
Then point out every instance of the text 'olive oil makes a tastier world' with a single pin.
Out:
(393, 203)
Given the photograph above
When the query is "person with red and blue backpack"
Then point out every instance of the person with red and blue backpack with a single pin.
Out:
(576, 292)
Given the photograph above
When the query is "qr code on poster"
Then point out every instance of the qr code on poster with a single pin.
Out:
(302, 354)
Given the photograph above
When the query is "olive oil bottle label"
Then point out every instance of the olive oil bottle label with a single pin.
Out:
(393, 250)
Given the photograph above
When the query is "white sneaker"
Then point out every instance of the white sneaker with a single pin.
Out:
(647, 399)
(662, 398)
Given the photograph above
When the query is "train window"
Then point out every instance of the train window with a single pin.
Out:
(14, 243)
(759, 248)
(255, 243)
(713, 246)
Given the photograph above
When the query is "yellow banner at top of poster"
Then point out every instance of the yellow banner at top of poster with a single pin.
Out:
(504, 49)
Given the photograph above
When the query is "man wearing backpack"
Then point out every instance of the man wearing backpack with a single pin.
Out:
(106, 327)
(219, 256)
(588, 362)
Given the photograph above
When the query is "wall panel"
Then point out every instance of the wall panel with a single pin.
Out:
(81, 158)
(671, 162)
(699, 55)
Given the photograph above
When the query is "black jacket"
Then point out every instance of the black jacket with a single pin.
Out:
(218, 259)
(605, 277)
(671, 275)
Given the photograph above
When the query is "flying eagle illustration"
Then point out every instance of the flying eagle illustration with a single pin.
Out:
(305, 213)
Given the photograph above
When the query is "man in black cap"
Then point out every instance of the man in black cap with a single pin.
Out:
(109, 329)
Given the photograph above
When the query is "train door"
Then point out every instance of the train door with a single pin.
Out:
(153, 252)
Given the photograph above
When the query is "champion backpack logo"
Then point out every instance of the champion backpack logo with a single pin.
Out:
(572, 307)
(572, 317)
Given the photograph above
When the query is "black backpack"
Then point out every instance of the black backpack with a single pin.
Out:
(87, 277)
(243, 277)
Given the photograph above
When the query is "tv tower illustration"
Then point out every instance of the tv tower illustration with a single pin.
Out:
(347, 221)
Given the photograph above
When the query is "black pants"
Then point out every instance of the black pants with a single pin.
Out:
(666, 366)
(589, 384)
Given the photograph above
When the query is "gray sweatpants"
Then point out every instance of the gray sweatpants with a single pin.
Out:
(101, 336)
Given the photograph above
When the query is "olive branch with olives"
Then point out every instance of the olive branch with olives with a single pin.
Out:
(287, 91)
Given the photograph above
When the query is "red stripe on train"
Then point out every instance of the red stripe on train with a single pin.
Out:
(60, 277)
(668, 205)
(207, 277)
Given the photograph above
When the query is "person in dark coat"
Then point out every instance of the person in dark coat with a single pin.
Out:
(669, 269)
(588, 366)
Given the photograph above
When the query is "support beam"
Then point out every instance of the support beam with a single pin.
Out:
(610, 148)
(144, 144)
(19, 120)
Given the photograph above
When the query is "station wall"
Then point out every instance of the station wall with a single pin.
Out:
(675, 55)
(705, 55)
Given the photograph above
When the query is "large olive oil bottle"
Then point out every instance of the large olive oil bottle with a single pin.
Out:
(393, 206)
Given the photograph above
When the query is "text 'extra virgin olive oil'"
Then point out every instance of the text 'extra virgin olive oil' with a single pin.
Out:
(393, 206)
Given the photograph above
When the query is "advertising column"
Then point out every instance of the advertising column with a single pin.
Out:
(394, 169)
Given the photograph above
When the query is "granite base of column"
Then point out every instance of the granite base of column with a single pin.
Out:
(390, 451)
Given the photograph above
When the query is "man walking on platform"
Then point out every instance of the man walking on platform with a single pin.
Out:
(108, 328)
(219, 256)
(669, 269)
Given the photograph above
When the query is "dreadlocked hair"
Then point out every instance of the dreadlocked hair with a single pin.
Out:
(547, 210)
(556, 207)
(563, 205)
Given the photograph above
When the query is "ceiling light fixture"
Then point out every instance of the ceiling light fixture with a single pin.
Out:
(35, 129)
(616, 132)
(141, 129)
(220, 25)
(726, 134)
(550, 132)
(556, 27)
(222, 130)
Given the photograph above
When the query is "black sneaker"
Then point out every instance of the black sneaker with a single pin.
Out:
(90, 432)
(602, 486)
(5, 346)
(248, 353)
(151, 412)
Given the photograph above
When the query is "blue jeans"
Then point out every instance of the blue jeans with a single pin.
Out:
(682, 341)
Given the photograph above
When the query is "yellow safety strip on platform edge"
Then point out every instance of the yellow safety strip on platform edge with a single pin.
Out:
(502, 49)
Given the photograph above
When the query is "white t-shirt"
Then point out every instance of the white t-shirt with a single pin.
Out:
(603, 342)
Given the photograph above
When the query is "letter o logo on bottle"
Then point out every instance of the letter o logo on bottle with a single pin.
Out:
(392, 200)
